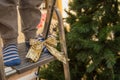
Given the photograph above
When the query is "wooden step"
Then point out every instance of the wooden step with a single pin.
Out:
(27, 65)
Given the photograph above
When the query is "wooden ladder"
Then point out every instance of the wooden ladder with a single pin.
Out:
(45, 58)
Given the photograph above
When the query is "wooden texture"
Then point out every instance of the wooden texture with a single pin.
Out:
(2, 73)
(50, 10)
(63, 43)
(28, 75)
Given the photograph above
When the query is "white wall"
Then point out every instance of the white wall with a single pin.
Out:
(65, 6)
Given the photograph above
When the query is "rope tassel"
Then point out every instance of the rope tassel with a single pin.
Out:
(50, 43)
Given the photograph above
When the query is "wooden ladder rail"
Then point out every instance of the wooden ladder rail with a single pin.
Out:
(51, 8)
(2, 72)
(63, 44)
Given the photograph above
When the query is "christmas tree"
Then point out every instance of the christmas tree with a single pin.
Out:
(93, 43)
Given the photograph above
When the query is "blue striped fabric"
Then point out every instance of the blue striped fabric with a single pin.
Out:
(45, 50)
(10, 55)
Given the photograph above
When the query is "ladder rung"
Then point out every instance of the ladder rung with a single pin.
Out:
(25, 65)
(29, 65)
(9, 71)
